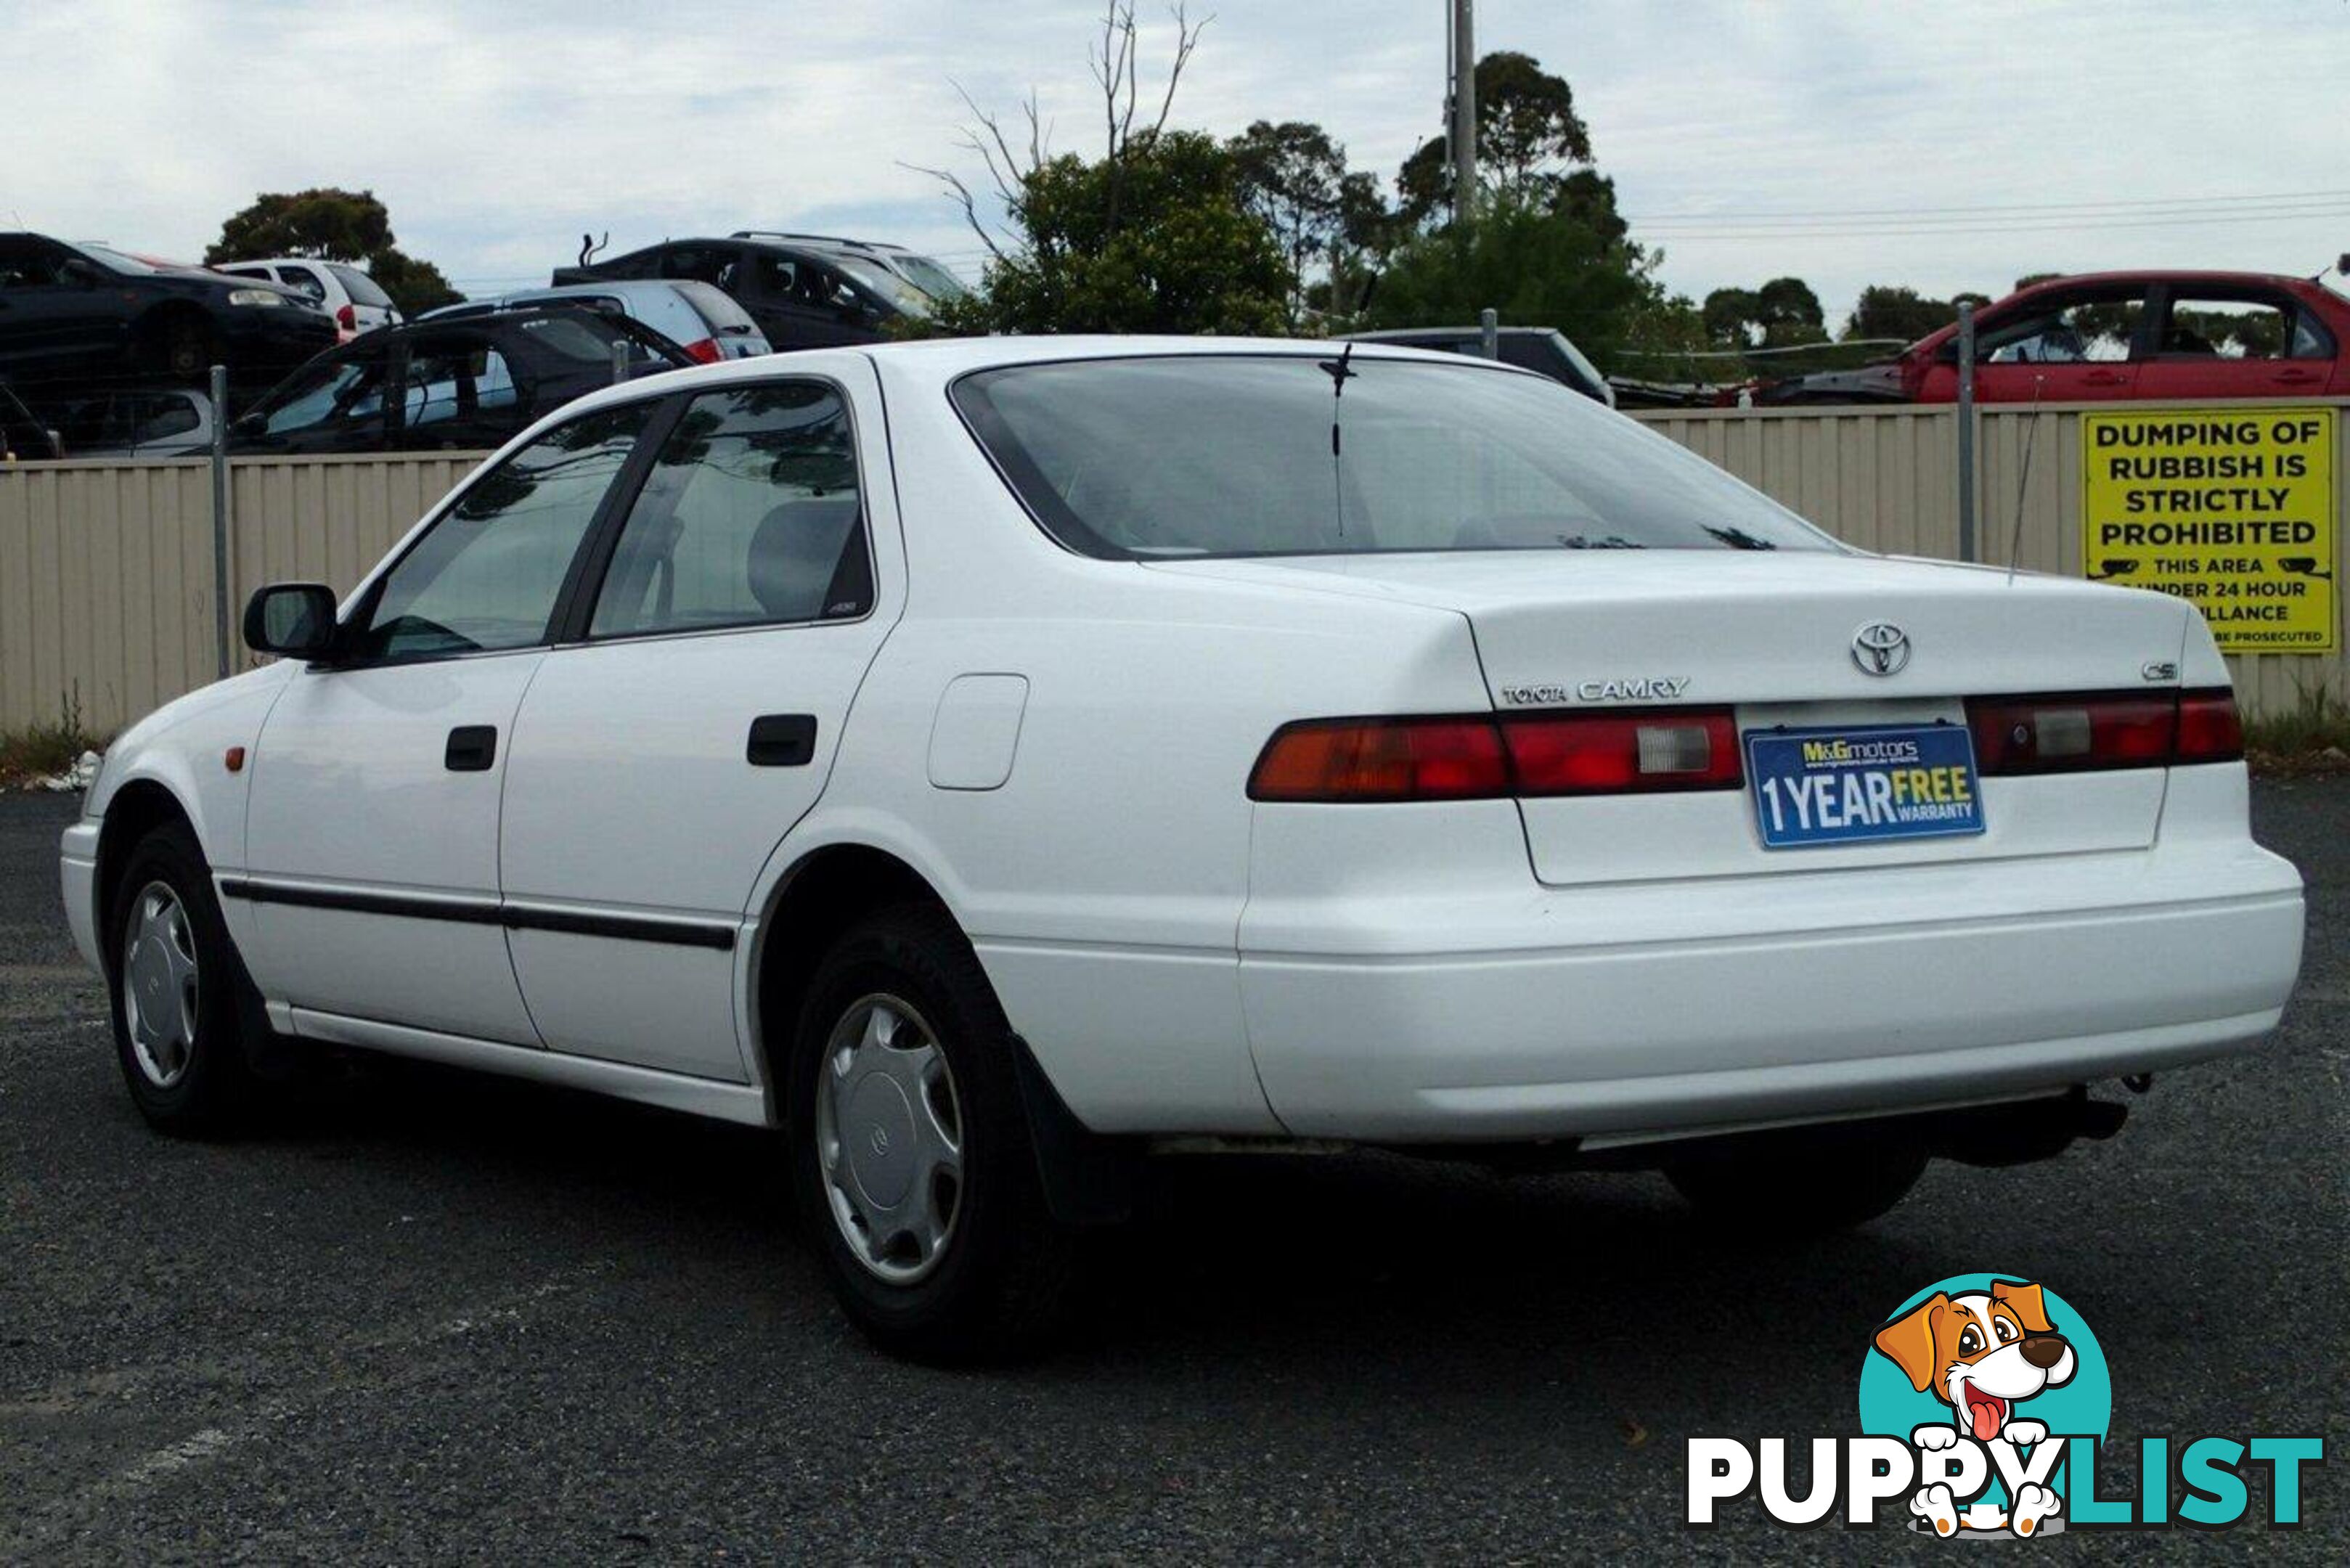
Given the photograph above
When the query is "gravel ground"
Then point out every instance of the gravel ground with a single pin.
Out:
(452, 1318)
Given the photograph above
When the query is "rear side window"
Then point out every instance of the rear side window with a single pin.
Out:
(360, 287)
(579, 338)
(488, 573)
(303, 281)
(2215, 327)
(456, 379)
(161, 418)
(751, 516)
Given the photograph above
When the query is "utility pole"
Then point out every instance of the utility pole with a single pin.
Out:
(1464, 111)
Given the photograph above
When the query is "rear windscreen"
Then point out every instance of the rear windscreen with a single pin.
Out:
(1259, 454)
(716, 307)
(360, 287)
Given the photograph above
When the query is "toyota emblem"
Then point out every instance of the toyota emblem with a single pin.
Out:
(1880, 648)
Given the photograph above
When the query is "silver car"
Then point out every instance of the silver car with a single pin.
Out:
(700, 317)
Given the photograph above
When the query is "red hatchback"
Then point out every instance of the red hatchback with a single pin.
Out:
(2106, 335)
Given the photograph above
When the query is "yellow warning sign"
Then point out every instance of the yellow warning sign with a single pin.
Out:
(2230, 509)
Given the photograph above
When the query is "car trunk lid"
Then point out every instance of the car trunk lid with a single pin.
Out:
(1777, 637)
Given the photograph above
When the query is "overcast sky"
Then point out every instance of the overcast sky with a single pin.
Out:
(1845, 141)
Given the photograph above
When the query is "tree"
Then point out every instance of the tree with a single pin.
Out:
(1290, 176)
(333, 224)
(1784, 311)
(1155, 240)
(1885, 311)
(1526, 129)
(1153, 237)
(1533, 264)
(416, 286)
(1325, 218)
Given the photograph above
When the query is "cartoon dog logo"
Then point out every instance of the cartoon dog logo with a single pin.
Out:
(1982, 1353)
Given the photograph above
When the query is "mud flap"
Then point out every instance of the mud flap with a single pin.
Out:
(1088, 1178)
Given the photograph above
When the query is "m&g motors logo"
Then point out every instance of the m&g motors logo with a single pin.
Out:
(1984, 1405)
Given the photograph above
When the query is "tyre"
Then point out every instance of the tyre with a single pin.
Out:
(912, 1164)
(1794, 1186)
(181, 995)
(182, 352)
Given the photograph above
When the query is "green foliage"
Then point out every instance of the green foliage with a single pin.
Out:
(1153, 238)
(1526, 128)
(416, 286)
(1885, 311)
(1784, 311)
(2313, 735)
(1536, 266)
(333, 225)
(1324, 217)
(44, 750)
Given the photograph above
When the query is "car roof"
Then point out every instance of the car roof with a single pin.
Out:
(943, 359)
(1404, 334)
(2209, 277)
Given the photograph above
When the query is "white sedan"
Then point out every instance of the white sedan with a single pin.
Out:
(991, 762)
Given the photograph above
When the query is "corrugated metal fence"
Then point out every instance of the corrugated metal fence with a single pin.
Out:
(106, 575)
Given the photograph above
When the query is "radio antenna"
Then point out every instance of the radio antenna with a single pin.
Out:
(2024, 476)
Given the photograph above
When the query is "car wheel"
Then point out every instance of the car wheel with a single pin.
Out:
(916, 1177)
(184, 352)
(1794, 1186)
(180, 992)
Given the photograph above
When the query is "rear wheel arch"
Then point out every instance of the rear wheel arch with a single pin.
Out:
(822, 897)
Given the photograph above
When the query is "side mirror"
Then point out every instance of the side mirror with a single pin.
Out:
(296, 619)
(80, 274)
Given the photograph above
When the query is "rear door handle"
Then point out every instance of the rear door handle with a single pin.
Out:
(2298, 378)
(2101, 379)
(782, 741)
(472, 749)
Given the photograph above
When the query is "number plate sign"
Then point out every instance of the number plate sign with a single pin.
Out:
(1852, 785)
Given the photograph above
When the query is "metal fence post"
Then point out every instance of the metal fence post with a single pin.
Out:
(220, 518)
(1966, 551)
(1488, 333)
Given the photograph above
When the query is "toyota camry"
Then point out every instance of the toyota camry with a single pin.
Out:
(990, 763)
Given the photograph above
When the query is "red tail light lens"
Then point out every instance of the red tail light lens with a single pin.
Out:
(704, 351)
(347, 318)
(2090, 731)
(2209, 729)
(1382, 759)
(1611, 754)
(1480, 758)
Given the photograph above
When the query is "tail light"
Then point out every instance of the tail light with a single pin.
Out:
(2090, 731)
(347, 318)
(704, 351)
(2209, 728)
(1382, 759)
(1484, 758)
(1616, 753)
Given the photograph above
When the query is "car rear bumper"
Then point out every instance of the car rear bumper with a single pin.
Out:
(77, 879)
(1693, 1005)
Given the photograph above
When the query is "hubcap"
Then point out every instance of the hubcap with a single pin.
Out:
(159, 985)
(889, 1139)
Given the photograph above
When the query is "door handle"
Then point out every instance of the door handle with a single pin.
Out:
(2297, 378)
(782, 741)
(472, 749)
(2101, 379)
